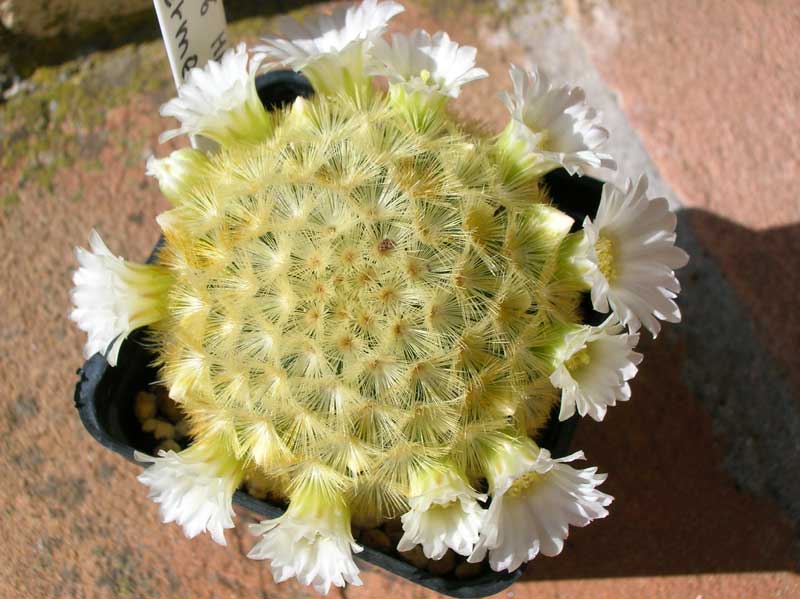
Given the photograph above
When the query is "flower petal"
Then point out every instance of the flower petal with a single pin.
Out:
(444, 513)
(421, 63)
(311, 540)
(178, 172)
(194, 489)
(219, 101)
(325, 46)
(629, 255)
(531, 512)
(554, 125)
(113, 297)
(594, 365)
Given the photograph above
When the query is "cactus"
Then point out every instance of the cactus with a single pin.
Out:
(371, 298)
(375, 309)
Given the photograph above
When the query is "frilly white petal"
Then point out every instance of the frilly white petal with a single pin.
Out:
(444, 513)
(555, 124)
(321, 35)
(535, 518)
(311, 541)
(219, 101)
(112, 297)
(177, 173)
(421, 63)
(632, 270)
(316, 558)
(595, 364)
(193, 490)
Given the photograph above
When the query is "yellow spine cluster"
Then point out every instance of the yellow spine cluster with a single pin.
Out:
(362, 296)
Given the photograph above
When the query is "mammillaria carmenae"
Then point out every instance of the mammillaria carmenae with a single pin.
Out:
(377, 309)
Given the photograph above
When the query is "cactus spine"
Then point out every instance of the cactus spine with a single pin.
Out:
(363, 296)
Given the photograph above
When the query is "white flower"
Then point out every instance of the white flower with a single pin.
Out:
(178, 172)
(444, 514)
(554, 125)
(311, 541)
(532, 508)
(194, 489)
(421, 63)
(113, 297)
(220, 101)
(595, 364)
(629, 256)
(326, 47)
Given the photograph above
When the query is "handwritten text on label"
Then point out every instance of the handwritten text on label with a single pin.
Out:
(194, 33)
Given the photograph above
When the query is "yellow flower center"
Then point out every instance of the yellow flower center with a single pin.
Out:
(578, 360)
(425, 75)
(524, 483)
(604, 248)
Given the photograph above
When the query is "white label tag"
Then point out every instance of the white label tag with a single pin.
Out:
(193, 31)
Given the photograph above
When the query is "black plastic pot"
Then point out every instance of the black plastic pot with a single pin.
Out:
(104, 396)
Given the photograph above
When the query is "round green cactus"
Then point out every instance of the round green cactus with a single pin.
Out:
(365, 297)
(375, 310)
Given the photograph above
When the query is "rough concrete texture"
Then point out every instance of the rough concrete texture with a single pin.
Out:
(45, 18)
(702, 461)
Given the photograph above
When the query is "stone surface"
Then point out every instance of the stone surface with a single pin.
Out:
(702, 461)
(46, 18)
(714, 92)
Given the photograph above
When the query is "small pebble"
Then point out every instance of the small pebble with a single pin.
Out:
(377, 539)
(394, 525)
(182, 429)
(445, 565)
(395, 536)
(365, 521)
(257, 484)
(468, 570)
(394, 528)
(160, 429)
(415, 557)
(167, 406)
(145, 406)
(257, 492)
(168, 445)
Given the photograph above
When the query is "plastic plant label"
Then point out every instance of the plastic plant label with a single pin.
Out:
(194, 33)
